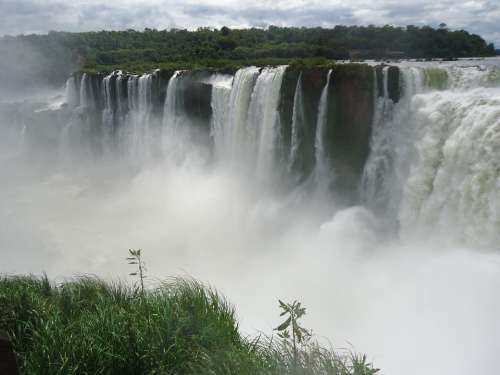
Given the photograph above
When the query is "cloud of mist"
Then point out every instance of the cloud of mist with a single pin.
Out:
(29, 70)
(413, 308)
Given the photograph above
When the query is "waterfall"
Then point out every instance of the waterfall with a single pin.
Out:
(432, 164)
(120, 97)
(107, 114)
(322, 172)
(374, 181)
(219, 125)
(230, 104)
(85, 96)
(138, 119)
(172, 111)
(245, 119)
(298, 121)
(452, 191)
(71, 93)
(390, 146)
(263, 119)
(239, 102)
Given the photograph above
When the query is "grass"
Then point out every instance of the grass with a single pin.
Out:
(87, 326)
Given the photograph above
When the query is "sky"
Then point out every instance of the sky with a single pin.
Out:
(40, 16)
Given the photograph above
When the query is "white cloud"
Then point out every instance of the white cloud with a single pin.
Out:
(27, 16)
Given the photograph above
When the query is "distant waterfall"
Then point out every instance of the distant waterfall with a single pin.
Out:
(138, 117)
(235, 127)
(298, 121)
(87, 98)
(172, 131)
(121, 96)
(220, 130)
(322, 172)
(387, 165)
(107, 113)
(453, 186)
(245, 122)
(263, 118)
(375, 185)
(432, 163)
(71, 93)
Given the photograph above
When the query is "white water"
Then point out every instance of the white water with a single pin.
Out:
(392, 145)
(298, 122)
(107, 114)
(423, 303)
(323, 174)
(454, 188)
(262, 123)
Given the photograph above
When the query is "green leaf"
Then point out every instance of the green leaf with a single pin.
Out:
(284, 325)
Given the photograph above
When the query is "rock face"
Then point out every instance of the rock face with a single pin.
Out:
(197, 97)
(311, 85)
(347, 135)
(392, 81)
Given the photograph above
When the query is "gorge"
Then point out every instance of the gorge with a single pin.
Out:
(369, 191)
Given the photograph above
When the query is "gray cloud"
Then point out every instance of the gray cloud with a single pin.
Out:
(27, 16)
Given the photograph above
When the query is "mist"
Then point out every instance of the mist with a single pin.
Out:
(416, 302)
(415, 308)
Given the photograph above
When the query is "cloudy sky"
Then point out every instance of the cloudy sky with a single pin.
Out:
(29, 16)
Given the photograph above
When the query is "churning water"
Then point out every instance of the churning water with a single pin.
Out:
(199, 171)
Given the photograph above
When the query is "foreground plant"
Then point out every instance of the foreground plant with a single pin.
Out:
(135, 258)
(299, 354)
(87, 326)
(299, 335)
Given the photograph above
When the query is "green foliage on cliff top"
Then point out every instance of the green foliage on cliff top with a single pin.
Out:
(221, 65)
(53, 56)
(88, 326)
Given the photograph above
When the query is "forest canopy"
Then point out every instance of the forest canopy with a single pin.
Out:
(53, 56)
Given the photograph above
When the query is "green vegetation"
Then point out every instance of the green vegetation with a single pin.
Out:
(54, 56)
(299, 335)
(135, 258)
(87, 326)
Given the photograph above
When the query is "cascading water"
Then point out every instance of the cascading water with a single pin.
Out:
(220, 129)
(137, 136)
(433, 166)
(298, 122)
(230, 114)
(391, 145)
(108, 113)
(245, 122)
(263, 119)
(322, 171)
(71, 93)
(453, 189)
(173, 132)
(86, 93)
(407, 138)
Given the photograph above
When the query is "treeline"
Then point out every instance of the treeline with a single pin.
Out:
(205, 46)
